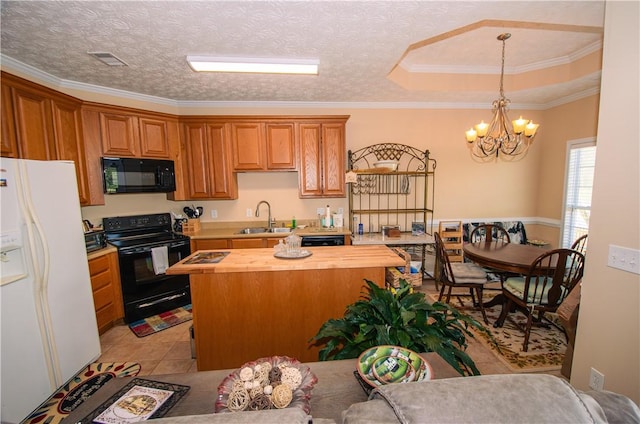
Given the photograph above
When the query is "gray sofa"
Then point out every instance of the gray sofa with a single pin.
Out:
(509, 398)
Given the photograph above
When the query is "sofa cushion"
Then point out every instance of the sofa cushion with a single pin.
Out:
(504, 398)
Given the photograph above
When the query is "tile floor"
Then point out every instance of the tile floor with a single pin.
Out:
(169, 351)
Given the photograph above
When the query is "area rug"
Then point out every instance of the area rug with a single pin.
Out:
(161, 322)
(546, 345)
(79, 389)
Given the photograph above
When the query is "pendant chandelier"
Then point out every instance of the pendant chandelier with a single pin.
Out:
(511, 138)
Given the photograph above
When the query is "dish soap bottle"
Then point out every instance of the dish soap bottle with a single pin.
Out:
(293, 223)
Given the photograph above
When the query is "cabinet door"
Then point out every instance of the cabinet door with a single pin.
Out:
(119, 134)
(67, 128)
(322, 160)
(309, 176)
(32, 113)
(280, 146)
(8, 144)
(223, 182)
(333, 160)
(248, 146)
(153, 138)
(208, 162)
(107, 293)
(197, 161)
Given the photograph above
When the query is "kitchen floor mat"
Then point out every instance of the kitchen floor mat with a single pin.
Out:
(153, 324)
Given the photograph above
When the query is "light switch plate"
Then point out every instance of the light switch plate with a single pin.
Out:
(624, 258)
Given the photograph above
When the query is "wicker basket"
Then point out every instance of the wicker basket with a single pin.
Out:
(394, 275)
(192, 226)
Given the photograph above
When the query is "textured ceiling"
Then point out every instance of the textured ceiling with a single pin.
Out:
(358, 43)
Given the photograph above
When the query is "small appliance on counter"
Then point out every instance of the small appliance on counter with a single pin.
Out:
(95, 240)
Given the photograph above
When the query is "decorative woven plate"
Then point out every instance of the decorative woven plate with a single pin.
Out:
(301, 395)
(388, 364)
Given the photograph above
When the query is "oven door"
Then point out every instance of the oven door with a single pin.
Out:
(146, 293)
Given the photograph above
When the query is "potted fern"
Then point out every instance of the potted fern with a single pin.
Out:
(399, 317)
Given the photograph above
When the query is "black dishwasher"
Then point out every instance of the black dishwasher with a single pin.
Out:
(323, 240)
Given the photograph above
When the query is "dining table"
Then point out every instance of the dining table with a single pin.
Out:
(503, 257)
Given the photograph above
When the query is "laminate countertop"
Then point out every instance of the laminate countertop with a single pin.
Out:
(325, 257)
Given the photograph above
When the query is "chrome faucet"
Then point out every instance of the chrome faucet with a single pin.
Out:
(270, 224)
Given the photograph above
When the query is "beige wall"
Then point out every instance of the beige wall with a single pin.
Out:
(465, 188)
(608, 336)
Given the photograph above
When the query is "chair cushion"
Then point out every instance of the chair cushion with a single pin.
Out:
(465, 272)
(515, 285)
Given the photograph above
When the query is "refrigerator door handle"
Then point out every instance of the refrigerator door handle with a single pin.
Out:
(41, 273)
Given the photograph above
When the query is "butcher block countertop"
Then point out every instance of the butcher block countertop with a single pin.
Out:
(254, 260)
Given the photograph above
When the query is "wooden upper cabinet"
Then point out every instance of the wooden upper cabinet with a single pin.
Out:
(43, 124)
(32, 117)
(8, 144)
(248, 146)
(154, 141)
(208, 161)
(67, 128)
(322, 159)
(263, 146)
(280, 146)
(130, 135)
(119, 134)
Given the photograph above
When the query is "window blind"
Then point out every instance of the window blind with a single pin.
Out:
(579, 186)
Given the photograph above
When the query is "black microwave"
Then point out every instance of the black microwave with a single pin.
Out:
(130, 175)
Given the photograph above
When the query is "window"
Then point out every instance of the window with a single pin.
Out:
(581, 160)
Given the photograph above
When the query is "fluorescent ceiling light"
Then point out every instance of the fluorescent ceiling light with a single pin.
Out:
(253, 65)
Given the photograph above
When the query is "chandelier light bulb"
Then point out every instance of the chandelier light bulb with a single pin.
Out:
(519, 125)
(471, 135)
(530, 129)
(482, 129)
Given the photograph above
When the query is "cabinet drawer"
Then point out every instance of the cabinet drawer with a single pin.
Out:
(101, 280)
(209, 244)
(98, 265)
(102, 297)
(105, 317)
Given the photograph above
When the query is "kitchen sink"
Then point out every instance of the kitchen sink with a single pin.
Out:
(257, 230)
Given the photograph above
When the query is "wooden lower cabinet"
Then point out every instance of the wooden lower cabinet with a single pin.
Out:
(233, 243)
(107, 292)
(208, 244)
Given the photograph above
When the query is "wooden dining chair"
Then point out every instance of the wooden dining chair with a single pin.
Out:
(489, 232)
(550, 279)
(459, 275)
(580, 244)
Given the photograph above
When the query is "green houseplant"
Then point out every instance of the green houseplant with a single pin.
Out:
(399, 317)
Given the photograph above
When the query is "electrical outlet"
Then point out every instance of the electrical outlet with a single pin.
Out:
(624, 258)
(214, 213)
(320, 211)
(596, 380)
(340, 210)
(249, 213)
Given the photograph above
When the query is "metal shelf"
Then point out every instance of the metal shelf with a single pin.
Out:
(400, 197)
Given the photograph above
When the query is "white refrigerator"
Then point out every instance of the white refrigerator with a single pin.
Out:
(47, 318)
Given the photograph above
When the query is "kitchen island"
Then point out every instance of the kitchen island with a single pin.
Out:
(252, 305)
